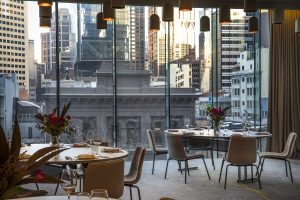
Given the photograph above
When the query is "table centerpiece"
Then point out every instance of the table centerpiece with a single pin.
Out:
(217, 115)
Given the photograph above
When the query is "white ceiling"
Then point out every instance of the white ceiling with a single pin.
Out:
(287, 4)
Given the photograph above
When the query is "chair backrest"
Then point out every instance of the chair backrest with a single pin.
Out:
(175, 147)
(137, 164)
(290, 145)
(242, 150)
(107, 175)
(151, 140)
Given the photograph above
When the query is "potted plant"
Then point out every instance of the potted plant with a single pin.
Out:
(54, 124)
(15, 171)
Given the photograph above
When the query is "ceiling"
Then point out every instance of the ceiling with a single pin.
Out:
(264, 4)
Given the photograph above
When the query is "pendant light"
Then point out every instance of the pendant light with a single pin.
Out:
(168, 12)
(45, 3)
(224, 14)
(278, 15)
(154, 24)
(204, 23)
(101, 23)
(45, 12)
(185, 5)
(45, 22)
(250, 6)
(253, 25)
(118, 4)
(297, 26)
(108, 12)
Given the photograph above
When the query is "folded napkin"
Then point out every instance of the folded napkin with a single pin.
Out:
(81, 144)
(110, 149)
(86, 156)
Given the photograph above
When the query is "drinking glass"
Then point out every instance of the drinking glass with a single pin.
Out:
(69, 181)
(99, 194)
(94, 149)
(83, 196)
(187, 123)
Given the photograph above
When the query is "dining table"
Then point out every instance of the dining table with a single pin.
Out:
(72, 154)
(72, 197)
(221, 135)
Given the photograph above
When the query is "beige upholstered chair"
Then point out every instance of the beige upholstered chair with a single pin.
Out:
(241, 152)
(156, 151)
(107, 175)
(285, 155)
(135, 171)
(176, 152)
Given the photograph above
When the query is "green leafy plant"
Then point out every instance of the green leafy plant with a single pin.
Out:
(15, 171)
(54, 124)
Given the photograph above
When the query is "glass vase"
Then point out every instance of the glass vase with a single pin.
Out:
(54, 141)
(217, 125)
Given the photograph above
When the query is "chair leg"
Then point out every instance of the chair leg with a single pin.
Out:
(290, 171)
(188, 169)
(206, 169)
(37, 186)
(153, 163)
(221, 170)
(226, 176)
(138, 190)
(179, 165)
(167, 168)
(185, 163)
(212, 159)
(258, 165)
(56, 189)
(130, 189)
(80, 182)
(258, 177)
(262, 165)
(286, 170)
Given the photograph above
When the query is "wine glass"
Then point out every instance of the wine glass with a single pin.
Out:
(69, 181)
(99, 194)
(83, 196)
(187, 123)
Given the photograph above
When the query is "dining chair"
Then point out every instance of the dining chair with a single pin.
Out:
(176, 152)
(241, 153)
(156, 151)
(107, 175)
(135, 171)
(285, 155)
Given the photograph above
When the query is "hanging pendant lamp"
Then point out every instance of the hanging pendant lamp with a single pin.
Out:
(101, 24)
(168, 12)
(108, 12)
(297, 25)
(185, 5)
(224, 14)
(45, 22)
(250, 6)
(204, 23)
(45, 3)
(154, 23)
(253, 25)
(45, 12)
(118, 4)
(278, 15)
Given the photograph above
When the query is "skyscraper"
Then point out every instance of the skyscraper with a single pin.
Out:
(14, 41)
(67, 47)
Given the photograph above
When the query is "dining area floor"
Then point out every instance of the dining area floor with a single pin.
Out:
(275, 184)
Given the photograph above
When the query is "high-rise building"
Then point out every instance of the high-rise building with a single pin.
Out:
(14, 41)
(67, 49)
(232, 37)
(96, 45)
(32, 71)
(182, 40)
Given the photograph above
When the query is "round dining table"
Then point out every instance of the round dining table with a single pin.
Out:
(70, 155)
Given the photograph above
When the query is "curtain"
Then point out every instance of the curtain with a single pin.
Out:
(284, 83)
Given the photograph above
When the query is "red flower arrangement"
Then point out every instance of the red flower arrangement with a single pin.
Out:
(54, 124)
(217, 114)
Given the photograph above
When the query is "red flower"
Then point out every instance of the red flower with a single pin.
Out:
(53, 119)
(39, 176)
